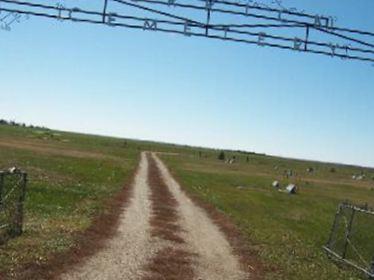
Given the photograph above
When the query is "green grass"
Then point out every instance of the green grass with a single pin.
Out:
(70, 177)
(287, 231)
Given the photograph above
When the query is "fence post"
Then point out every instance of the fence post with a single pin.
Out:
(334, 226)
(1, 187)
(20, 202)
(348, 233)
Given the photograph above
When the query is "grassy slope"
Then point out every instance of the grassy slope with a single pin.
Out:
(70, 176)
(287, 231)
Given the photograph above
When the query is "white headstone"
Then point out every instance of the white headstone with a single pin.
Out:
(291, 189)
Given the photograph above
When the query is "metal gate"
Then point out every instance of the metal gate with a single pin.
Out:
(351, 239)
(12, 196)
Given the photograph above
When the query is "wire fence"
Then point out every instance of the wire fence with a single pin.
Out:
(12, 196)
(351, 239)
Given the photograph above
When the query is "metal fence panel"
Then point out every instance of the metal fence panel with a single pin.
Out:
(12, 196)
(352, 237)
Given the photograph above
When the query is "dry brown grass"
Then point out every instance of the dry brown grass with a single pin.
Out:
(52, 149)
(164, 214)
(173, 262)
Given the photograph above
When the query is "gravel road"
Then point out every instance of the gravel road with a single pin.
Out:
(130, 251)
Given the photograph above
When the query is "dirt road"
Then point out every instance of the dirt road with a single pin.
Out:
(162, 234)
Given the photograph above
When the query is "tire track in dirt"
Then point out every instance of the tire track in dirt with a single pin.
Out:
(162, 235)
(214, 259)
(131, 249)
(172, 261)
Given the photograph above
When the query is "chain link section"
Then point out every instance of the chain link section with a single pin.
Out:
(351, 237)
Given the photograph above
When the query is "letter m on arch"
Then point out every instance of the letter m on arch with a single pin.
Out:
(150, 24)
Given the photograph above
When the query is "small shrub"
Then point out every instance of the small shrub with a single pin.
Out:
(221, 156)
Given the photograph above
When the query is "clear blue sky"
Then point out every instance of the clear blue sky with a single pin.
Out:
(155, 86)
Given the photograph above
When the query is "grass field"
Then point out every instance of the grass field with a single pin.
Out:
(72, 175)
(286, 231)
